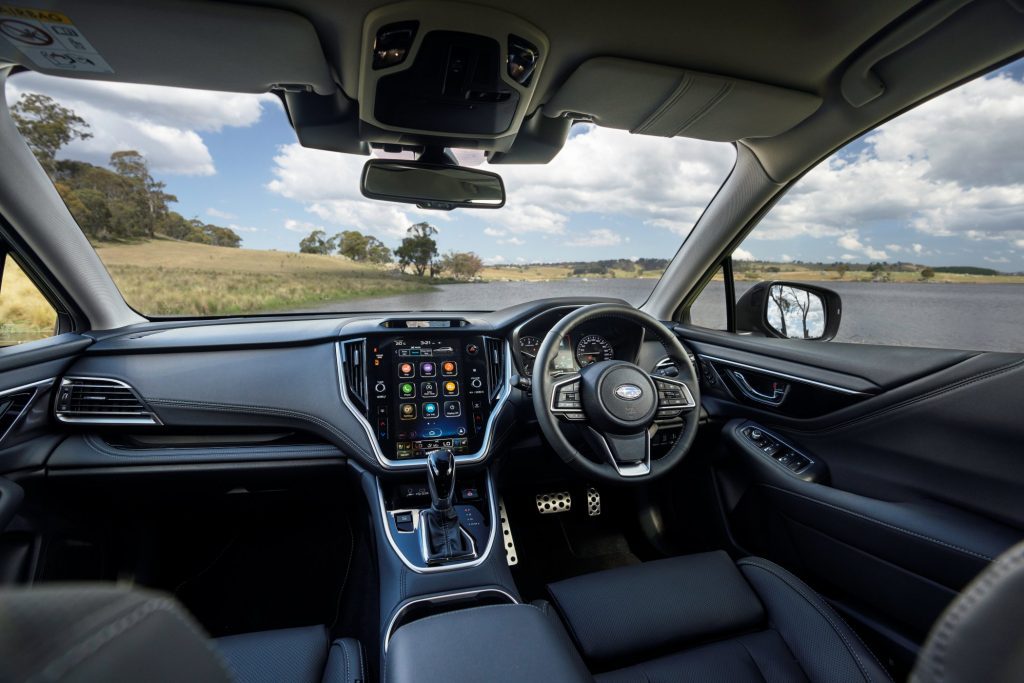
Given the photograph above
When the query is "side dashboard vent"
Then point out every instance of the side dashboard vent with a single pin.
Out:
(101, 401)
(495, 365)
(353, 368)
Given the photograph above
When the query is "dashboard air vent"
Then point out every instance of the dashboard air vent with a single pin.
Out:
(99, 400)
(495, 365)
(353, 358)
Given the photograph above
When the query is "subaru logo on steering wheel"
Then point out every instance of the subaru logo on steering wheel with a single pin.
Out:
(628, 392)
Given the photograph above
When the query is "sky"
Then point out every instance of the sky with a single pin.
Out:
(940, 185)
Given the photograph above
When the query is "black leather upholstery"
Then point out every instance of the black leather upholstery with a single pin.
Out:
(106, 633)
(293, 654)
(703, 618)
(102, 633)
(980, 636)
(497, 644)
(649, 607)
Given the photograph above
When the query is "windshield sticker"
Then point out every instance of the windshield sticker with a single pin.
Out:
(50, 40)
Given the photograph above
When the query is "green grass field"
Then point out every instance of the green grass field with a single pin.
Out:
(168, 277)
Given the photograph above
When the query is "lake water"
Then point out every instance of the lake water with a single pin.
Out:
(984, 317)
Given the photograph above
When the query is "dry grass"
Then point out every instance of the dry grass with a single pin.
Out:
(168, 277)
(24, 313)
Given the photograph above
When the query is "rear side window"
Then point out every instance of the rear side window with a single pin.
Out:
(25, 314)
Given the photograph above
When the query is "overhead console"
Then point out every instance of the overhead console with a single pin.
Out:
(419, 390)
(446, 74)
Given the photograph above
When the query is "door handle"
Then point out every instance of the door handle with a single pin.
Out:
(774, 397)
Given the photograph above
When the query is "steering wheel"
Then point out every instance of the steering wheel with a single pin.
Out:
(616, 404)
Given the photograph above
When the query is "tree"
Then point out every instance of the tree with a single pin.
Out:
(419, 249)
(47, 126)
(146, 191)
(315, 243)
(463, 265)
(376, 251)
(927, 274)
(352, 244)
(842, 268)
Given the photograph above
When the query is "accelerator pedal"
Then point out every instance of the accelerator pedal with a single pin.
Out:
(511, 558)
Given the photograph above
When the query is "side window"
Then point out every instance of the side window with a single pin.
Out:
(918, 226)
(25, 314)
(709, 308)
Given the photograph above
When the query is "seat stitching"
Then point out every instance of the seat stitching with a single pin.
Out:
(88, 647)
(344, 654)
(362, 661)
(969, 600)
(750, 655)
(817, 608)
(823, 601)
(867, 518)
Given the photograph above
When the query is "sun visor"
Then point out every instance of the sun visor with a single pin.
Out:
(650, 99)
(204, 45)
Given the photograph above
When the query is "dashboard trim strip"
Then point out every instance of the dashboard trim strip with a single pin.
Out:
(413, 463)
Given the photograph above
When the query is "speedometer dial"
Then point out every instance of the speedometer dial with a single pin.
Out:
(593, 348)
(528, 347)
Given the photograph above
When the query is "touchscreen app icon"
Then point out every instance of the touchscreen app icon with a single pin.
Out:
(427, 369)
(428, 389)
(407, 411)
(406, 370)
(406, 389)
(451, 388)
(452, 409)
(429, 410)
(449, 368)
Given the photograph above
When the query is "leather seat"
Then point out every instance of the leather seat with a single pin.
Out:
(105, 633)
(293, 654)
(705, 618)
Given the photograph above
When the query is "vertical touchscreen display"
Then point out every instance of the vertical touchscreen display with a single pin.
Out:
(428, 393)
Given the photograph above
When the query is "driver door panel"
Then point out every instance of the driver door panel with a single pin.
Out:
(918, 479)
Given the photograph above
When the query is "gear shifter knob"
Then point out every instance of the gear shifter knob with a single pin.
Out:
(441, 479)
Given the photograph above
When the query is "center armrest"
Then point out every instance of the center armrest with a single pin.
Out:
(496, 643)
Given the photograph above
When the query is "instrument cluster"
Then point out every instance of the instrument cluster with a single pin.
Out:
(599, 340)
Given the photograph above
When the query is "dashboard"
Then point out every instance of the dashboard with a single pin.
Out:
(379, 389)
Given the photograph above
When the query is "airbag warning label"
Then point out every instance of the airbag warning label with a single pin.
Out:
(50, 40)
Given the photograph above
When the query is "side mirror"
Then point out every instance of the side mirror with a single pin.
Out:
(790, 310)
(432, 186)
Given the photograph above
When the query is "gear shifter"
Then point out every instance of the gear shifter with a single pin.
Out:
(444, 539)
(441, 479)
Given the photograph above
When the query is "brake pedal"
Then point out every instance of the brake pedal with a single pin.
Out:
(506, 535)
(593, 502)
(552, 503)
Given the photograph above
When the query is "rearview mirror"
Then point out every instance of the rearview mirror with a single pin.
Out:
(432, 186)
(790, 310)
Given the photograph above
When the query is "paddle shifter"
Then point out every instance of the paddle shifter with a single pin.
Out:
(444, 539)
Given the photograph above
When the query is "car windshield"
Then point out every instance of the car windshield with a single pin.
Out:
(203, 203)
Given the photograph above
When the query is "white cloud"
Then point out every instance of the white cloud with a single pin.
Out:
(163, 124)
(894, 248)
(997, 259)
(217, 213)
(515, 241)
(742, 254)
(494, 260)
(600, 237)
(918, 248)
(786, 258)
(303, 227)
(655, 181)
(952, 167)
(244, 228)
